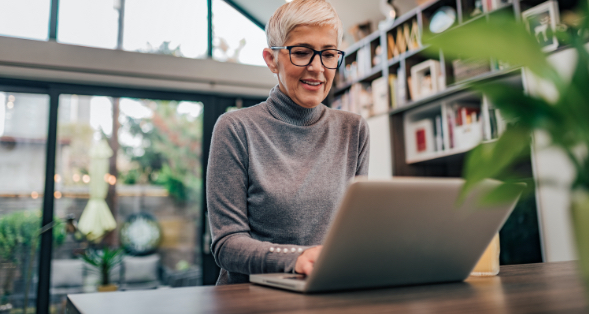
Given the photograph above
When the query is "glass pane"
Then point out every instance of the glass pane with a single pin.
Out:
(20, 20)
(236, 39)
(173, 27)
(88, 23)
(153, 187)
(23, 139)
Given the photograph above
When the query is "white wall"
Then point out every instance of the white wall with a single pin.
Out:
(51, 61)
(380, 162)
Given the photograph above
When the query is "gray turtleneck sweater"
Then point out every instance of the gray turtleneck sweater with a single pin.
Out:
(276, 174)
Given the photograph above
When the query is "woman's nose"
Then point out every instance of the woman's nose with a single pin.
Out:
(315, 64)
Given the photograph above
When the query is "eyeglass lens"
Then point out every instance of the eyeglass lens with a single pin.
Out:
(301, 56)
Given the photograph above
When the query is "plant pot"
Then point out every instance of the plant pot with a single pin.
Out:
(580, 216)
(108, 288)
(5, 308)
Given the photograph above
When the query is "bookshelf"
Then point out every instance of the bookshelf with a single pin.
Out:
(434, 119)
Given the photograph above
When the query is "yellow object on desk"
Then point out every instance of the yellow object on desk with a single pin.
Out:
(488, 265)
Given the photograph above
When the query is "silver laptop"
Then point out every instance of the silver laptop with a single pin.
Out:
(402, 231)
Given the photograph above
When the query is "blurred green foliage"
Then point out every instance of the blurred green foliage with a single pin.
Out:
(17, 231)
(170, 153)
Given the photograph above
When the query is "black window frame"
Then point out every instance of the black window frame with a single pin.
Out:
(214, 105)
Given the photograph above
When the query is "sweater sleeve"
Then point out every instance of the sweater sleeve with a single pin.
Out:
(363, 149)
(226, 190)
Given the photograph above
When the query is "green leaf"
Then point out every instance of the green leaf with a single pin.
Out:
(489, 160)
(502, 194)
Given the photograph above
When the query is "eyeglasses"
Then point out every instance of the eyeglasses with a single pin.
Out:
(303, 56)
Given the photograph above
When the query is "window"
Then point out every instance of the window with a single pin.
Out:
(175, 27)
(20, 20)
(158, 175)
(88, 23)
(23, 142)
(235, 38)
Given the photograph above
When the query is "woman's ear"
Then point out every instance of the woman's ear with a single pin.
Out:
(270, 60)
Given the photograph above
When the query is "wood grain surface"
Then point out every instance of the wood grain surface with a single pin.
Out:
(530, 288)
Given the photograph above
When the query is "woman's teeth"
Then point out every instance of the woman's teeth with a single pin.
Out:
(311, 83)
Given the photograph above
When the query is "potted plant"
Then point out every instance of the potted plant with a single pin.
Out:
(103, 261)
(562, 116)
(19, 233)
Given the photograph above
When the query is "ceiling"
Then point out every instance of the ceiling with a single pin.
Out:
(351, 12)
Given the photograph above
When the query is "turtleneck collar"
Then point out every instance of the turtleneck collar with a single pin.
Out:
(284, 109)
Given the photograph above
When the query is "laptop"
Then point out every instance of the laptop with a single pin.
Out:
(401, 231)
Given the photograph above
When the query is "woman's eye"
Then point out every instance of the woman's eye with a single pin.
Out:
(328, 55)
(301, 53)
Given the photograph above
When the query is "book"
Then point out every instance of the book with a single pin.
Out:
(401, 90)
(467, 128)
(401, 43)
(393, 51)
(393, 90)
(414, 37)
(423, 136)
(438, 133)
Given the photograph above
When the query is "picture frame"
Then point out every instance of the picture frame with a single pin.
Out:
(425, 79)
(422, 137)
(541, 22)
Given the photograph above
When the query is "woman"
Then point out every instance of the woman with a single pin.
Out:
(277, 170)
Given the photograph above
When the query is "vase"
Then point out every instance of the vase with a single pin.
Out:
(488, 264)
(580, 217)
(108, 288)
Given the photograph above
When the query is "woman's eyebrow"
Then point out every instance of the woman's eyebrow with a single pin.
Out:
(311, 46)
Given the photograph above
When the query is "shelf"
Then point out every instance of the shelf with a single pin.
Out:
(406, 55)
(461, 86)
(442, 154)
(437, 155)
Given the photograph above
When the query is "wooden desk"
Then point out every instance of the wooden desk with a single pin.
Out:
(532, 288)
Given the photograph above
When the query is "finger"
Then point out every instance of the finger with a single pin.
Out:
(308, 268)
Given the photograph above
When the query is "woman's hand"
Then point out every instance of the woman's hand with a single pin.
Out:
(307, 259)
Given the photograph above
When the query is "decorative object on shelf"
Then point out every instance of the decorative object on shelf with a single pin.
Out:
(425, 79)
(556, 107)
(380, 96)
(387, 8)
(541, 21)
(377, 55)
(360, 30)
(104, 261)
(140, 234)
(442, 19)
(468, 68)
(478, 8)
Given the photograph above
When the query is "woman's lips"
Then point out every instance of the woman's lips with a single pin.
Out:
(312, 85)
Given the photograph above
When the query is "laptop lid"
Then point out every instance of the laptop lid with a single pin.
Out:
(404, 231)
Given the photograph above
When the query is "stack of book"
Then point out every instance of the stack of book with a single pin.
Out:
(403, 38)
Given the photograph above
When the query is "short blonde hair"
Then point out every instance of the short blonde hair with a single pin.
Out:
(301, 12)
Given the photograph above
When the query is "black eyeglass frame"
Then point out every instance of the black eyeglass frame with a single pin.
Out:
(315, 52)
